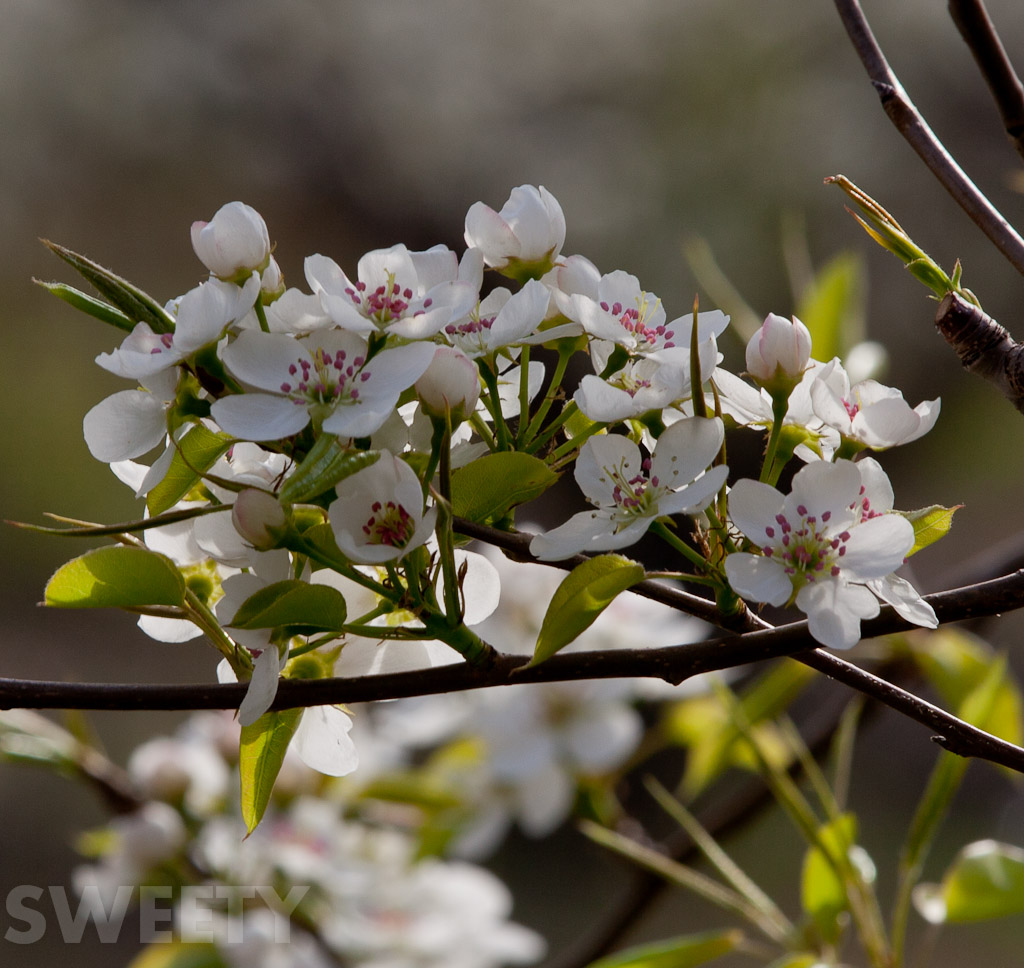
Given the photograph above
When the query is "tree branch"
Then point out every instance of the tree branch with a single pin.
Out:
(978, 32)
(671, 663)
(915, 130)
(984, 347)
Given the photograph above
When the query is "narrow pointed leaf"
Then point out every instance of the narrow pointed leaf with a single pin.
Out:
(260, 755)
(687, 951)
(196, 453)
(137, 305)
(304, 608)
(122, 527)
(583, 595)
(116, 577)
(488, 488)
(90, 305)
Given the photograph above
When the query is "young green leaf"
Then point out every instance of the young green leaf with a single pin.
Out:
(197, 452)
(132, 301)
(986, 880)
(89, 305)
(488, 488)
(822, 892)
(930, 524)
(687, 951)
(260, 756)
(116, 577)
(327, 463)
(583, 595)
(304, 608)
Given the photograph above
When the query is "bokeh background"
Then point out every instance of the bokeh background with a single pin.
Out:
(355, 125)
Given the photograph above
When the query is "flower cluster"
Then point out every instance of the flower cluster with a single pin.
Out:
(314, 450)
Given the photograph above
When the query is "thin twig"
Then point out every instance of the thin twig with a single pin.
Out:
(979, 33)
(672, 663)
(915, 130)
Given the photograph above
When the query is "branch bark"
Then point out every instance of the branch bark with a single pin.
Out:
(979, 33)
(915, 130)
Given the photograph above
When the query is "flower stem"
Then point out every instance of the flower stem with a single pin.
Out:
(769, 473)
(494, 405)
(679, 545)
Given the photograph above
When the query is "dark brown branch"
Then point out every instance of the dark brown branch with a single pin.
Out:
(915, 130)
(671, 663)
(984, 347)
(978, 32)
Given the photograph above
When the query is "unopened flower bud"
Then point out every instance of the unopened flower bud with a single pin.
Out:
(234, 244)
(271, 282)
(450, 384)
(524, 239)
(778, 352)
(259, 518)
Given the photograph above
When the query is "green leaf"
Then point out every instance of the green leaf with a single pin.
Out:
(132, 301)
(196, 453)
(96, 308)
(304, 608)
(822, 892)
(985, 881)
(930, 524)
(487, 489)
(687, 951)
(178, 954)
(583, 594)
(830, 308)
(260, 756)
(116, 577)
(327, 463)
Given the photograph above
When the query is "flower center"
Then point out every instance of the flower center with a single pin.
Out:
(471, 336)
(633, 496)
(384, 304)
(389, 524)
(635, 322)
(804, 547)
(325, 379)
(628, 380)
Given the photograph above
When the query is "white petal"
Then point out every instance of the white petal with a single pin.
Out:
(323, 743)
(124, 425)
(686, 449)
(903, 597)
(757, 578)
(877, 546)
(598, 456)
(753, 506)
(834, 611)
(259, 416)
(262, 689)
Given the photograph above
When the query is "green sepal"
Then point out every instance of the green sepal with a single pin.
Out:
(195, 453)
(89, 305)
(260, 755)
(486, 489)
(137, 305)
(300, 607)
(116, 577)
(581, 597)
(985, 881)
(328, 463)
(687, 951)
(930, 524)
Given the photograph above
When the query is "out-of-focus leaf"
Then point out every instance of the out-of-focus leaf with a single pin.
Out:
(116, 577)
(822, 892)
(581, 597)
(687, 951)
(261, 753)
(986, 880)
(830, 308)
(179, 954)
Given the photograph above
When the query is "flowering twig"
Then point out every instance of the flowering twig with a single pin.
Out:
(915, 130)
(978, 32)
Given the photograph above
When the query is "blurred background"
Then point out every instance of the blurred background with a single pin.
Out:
(354, 126)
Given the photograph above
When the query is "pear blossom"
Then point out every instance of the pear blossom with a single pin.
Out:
(868, 413)
(327, 375)
(630, 492)
(411, 295)
(778, 353)
(525, 237)
(234, 243)
(500, 320)
(379, 515)
(823, 547)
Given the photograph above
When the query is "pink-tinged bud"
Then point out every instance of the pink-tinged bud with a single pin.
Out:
(450, 384)
(778, 352)
(259, 518)
(234, 244)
